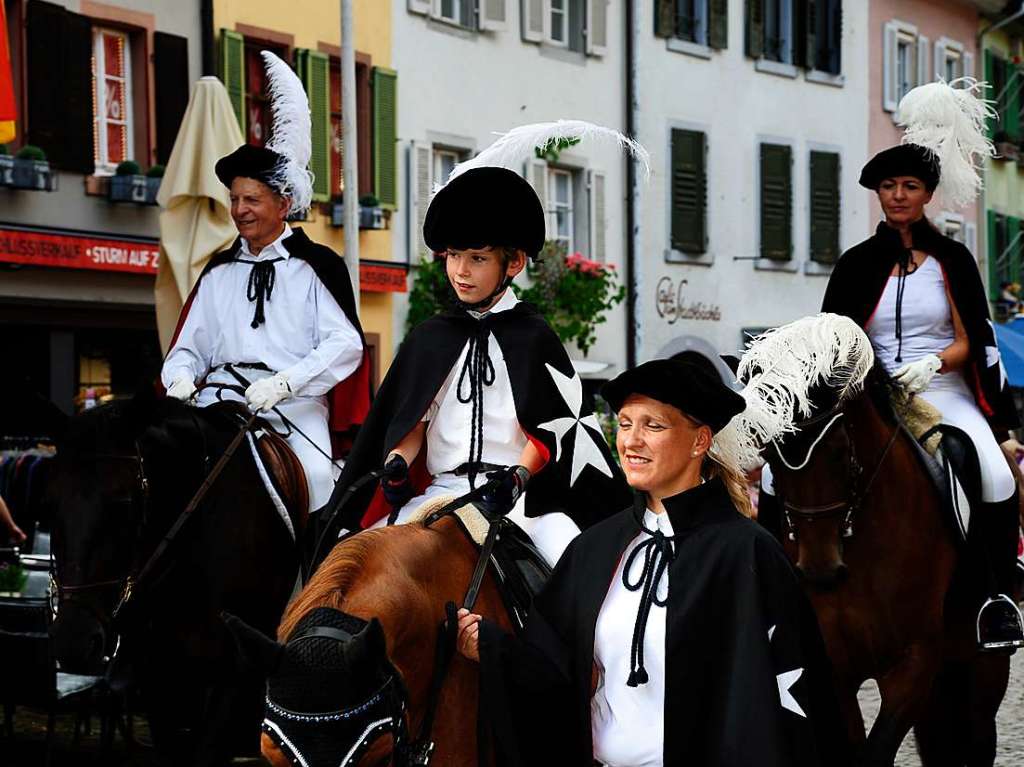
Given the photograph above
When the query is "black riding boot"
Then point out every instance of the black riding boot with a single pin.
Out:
(1000, 627)
(769, 513)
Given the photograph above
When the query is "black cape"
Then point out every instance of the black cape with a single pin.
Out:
(739, 632)
(349, 401)
(537, 366)
(858, 281)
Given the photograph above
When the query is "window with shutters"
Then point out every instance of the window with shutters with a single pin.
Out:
(949, 59)
(459, 12)
(827, 21)
(364, 127)
(779, 27)
(257, 101)
(112, 99)
(776, 188)
(905, 62)
(824, 235)
(445, 161)
(1004, 262)
(1005, 80)
(560, 194)
(688, 225)
(558, 22)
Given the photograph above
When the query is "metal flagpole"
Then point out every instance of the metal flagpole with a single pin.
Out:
(349, 147)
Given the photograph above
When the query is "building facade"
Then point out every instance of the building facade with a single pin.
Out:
(471, 68)
(754, 113)
(311, 40)
(96, 85)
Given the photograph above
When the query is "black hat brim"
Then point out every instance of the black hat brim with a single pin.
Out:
(902, 160)
(485, 207)
(690, 388)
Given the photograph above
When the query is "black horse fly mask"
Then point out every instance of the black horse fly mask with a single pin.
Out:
(332, 691)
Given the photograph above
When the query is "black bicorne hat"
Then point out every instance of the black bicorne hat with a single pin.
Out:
(902, 160)
(693, 389)
(486, 206)
(249, 161)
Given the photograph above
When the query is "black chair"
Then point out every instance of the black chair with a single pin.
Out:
(29, 674)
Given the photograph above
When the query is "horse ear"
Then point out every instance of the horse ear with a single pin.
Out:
(256, 651)
(368, 644)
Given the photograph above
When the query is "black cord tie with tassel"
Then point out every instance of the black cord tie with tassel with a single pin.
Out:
(658, 552)
(261, 285)
(477, 372)
(906, 268)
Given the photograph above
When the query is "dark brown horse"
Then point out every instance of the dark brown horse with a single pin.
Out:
(867, 533)
(401, 576)
(124, 472)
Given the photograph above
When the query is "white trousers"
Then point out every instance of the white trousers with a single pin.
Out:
(959, 409)
(307, 413)
(551, 532)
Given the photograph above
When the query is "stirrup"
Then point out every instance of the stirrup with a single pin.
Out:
(1002, 645)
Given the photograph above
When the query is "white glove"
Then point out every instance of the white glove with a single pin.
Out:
(182, 388)
(915, 377)
(264, 394)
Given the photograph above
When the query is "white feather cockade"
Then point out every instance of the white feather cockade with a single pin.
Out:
(780, 368)
(950, 120)
(510, 150)
(290, 133)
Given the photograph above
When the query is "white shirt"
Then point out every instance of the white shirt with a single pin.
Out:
(927, 322)
(450, 421)
(306, 334)
(628, 723)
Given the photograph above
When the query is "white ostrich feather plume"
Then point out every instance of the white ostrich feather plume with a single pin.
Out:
(779, 369)
(950, 120)
(290, 133)
(512, 149)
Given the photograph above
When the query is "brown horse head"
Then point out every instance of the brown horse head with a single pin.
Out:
(382, 595)
(812, 471)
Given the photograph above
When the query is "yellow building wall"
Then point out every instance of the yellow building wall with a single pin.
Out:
(319, 21)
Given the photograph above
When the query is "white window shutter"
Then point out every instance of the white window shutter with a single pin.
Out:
(422, 167)
(537, 175)
(597, 27)
(493, 15)
(889, 67)
(923, 62)
(971, 238)
(968, 64)
(532, 20)
(419, 6)
(596, 218)
(939, 69)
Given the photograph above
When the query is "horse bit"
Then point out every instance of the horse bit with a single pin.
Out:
(855, 494)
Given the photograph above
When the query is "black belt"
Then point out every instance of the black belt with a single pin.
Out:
(477, 467)
(247, 366)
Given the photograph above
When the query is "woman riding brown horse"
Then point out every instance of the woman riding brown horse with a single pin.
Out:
(868, 535)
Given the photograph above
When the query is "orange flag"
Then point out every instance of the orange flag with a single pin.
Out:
(7, 111)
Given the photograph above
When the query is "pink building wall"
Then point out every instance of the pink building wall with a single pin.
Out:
(956, 19)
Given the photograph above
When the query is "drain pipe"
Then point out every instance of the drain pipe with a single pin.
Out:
(983, 198)
(632, 234)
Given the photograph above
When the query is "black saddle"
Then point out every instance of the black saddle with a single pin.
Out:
(519, 568)
(956, 471)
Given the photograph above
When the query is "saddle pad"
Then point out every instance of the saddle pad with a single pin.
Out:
(473, 521)
(919, 416)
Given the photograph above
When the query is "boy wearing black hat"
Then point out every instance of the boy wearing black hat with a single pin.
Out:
(485, 392)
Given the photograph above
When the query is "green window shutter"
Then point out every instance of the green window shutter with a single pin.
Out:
(776, 202)
(754, 13)
(232, 72)
(1013, 243)
(664, 18)
(824, 207)
(314, 70)
(689, 191)
(993, 245)
(385, 137)
(1012, 117)
(718, 24)
(992, 122)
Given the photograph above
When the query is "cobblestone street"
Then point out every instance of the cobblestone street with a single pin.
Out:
(1010, 749)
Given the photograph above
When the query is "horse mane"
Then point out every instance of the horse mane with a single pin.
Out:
(333, 579)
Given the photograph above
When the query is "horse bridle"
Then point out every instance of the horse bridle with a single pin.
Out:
(850, 504)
